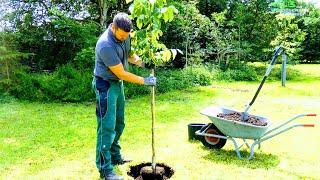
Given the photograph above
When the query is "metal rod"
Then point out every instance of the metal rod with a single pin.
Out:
(283, 70)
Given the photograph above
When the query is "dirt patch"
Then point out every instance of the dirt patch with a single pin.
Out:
(236, 116)
(144, 171)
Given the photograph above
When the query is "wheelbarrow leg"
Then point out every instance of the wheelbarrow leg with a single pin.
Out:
(244, 140)
(252, 149)
(236, 148)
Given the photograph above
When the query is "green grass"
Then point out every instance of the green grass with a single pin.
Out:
(57, 141)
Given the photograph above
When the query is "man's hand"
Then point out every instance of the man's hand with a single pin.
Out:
(150, 81)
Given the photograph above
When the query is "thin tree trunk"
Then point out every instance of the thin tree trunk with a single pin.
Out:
(239, 43)
(186, 65)
(153, 113)
(7, 67)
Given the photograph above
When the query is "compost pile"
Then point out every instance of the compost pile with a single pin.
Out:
(236, 116)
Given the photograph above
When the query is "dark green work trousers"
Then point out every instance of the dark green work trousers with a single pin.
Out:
(110, 122)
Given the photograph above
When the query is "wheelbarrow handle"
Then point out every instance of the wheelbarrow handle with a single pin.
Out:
(285, 123)
(308, 125)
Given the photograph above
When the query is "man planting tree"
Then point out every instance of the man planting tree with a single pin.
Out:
(111, 65)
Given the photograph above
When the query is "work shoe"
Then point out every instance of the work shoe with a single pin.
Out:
(113, 176)
(101, 174)
(120, 162)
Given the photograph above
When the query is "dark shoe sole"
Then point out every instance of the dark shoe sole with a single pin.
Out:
(121, 162)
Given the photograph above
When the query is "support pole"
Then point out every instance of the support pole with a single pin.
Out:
(283, 70)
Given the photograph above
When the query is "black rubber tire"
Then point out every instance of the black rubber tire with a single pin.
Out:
(212, 142)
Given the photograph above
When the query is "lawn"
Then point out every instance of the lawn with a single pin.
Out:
(57, 140)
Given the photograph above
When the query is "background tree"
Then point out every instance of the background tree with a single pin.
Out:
(9, 60)
(284, 4)
(289, 36)
(206, 7)
(255, 26)
(193, 33)
(311, 44)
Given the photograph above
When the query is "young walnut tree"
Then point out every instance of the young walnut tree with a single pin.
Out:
(149, 16)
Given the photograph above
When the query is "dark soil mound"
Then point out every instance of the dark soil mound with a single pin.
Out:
(236, 116)
(144, 171)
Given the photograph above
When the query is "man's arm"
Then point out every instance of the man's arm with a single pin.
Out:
(119, 71)
(135, 59)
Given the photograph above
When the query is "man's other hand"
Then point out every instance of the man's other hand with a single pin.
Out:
(150, 81)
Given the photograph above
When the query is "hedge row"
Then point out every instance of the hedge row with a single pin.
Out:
(67, 84)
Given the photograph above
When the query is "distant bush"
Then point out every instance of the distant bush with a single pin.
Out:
(84, 59)
(168, 80)
(72, 85)
(6, 98)
(275, 74)
(199, 75)
(238, 72)
(66, 84)
(254, 72)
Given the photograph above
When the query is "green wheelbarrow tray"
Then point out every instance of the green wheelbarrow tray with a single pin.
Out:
(215, 134)
(237, 129)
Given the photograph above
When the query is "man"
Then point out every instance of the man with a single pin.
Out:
(112, 57)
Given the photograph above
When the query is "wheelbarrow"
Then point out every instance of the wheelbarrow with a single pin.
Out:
(215, 134)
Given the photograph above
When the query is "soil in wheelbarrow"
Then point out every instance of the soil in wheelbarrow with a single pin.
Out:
(144, 171)
(236, 116)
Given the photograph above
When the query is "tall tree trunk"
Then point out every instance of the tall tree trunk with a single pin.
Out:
(108, 7)
(103, 8)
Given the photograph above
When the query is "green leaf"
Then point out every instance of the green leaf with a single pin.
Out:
(131, 8)
(166, 55)
(165, 14)
(170, 14)
(139, 22)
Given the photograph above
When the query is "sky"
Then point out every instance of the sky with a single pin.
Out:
(316, 2)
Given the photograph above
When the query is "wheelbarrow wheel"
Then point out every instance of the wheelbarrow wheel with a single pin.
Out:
(212, 142)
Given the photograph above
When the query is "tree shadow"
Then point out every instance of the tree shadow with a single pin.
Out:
(260, 159)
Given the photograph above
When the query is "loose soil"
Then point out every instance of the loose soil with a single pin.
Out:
(236, 116)
(144, 171)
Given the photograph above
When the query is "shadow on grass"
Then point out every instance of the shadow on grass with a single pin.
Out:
(260, 160)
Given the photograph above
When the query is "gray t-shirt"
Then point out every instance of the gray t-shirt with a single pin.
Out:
(110, 52)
